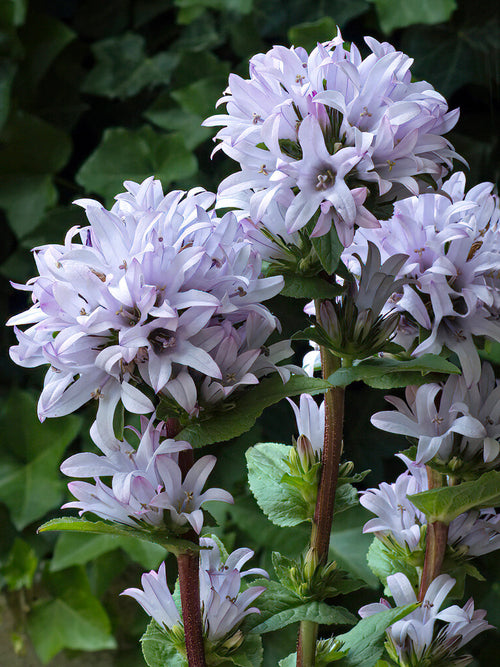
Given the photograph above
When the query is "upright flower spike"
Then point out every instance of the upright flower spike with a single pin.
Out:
(451, 239)
(146, 295)
(415, 640)
(331, 136)
(224, 605)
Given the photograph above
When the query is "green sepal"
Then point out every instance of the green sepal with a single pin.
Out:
(173, 544)
(446, 503)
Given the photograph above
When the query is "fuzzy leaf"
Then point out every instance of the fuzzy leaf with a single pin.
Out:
(241, 416)
(172, 544)
(158, 651)
(319, 612)
(266, 464)
(377, 368)
(366, 640)
(448, 502)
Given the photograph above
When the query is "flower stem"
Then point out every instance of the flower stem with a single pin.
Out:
(323, 514)
(188, 564)
(436, 541)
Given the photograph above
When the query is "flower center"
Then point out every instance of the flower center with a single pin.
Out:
(325, 180)
(161, 339)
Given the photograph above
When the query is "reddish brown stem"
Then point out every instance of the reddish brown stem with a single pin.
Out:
(188, 564)
(436, 541)
(189, 576)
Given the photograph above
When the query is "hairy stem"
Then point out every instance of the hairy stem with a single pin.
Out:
(436, 541)
(306, 646)
(323, 514)
(188, 564)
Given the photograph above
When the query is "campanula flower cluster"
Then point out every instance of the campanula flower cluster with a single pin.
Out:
(327, 134)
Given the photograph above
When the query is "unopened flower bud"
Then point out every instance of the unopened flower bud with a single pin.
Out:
(306, 452)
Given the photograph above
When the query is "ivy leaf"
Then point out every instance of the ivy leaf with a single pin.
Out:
(134, 155)
(26, 188)
(80, 548)
(266, 464)
(448, 502)
(30, 484)
(309, 287)
(401, 13)
(310, 33)
(172, 544)
(240, 416)
(366, 640)
(318, 612)
(123, 68)
(73, 618)
(372, 369)
(20, 566)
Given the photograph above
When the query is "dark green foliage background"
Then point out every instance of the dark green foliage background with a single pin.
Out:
(94, 92)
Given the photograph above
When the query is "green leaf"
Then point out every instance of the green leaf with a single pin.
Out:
(328, 248)
(20, 566)
(240, 416)
(73, 618)
(178, 120)
(349, 545)
(13, 12)
(30, 484)
(249, 654)
(318, 612)
(123, 68)
(310, 33)
(134, 155)
(308, 287)
(79, 548)
(372, 369)
(448, 502)
(401, 13)
(158, 651)
(384, 561)
(266, 464)
(7, 72)
(26, 188)
(173, 544)
(366, 640)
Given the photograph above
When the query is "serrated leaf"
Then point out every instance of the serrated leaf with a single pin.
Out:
(249, 405)
(158, 651)
(80, 548)
(401, 13)
(448, 502)
(134, 155)
(73, 618)
(173, 544)
(379, 367)
(318, 612)
(366, 640)
(30, 484)
(123, 68)
(328, 248)
(383, 562)
(266, 464)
